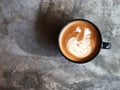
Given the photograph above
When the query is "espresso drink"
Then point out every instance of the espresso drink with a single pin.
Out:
(79, 41)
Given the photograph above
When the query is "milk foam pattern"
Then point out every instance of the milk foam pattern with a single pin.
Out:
(80, 48)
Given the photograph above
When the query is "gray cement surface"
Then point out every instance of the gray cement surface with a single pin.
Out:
(29, 56)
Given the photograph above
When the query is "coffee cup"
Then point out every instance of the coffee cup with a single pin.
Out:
(80, 41)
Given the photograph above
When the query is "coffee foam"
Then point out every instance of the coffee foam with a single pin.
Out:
(80, 48)
(79, 41)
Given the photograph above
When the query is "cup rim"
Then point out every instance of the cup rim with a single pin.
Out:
(80, 62)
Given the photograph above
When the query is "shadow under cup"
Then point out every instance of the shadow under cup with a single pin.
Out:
(80, 41)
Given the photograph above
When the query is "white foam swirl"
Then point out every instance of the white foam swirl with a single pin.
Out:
(80, 48)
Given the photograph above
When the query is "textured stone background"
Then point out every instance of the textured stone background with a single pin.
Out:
(29, 58)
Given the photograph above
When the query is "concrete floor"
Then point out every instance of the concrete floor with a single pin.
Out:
(29, 56)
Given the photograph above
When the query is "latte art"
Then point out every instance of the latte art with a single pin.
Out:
(80, 48)
(79, 41)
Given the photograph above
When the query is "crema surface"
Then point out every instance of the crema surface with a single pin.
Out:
(79, 41)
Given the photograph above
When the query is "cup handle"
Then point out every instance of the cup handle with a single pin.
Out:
(106, 45)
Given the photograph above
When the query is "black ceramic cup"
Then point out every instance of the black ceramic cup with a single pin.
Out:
(63, 41)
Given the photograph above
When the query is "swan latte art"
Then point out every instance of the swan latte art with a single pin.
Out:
(79, 41)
